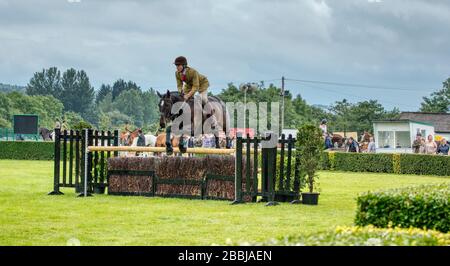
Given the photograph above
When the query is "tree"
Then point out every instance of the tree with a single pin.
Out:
(5, 112)
(342, 115)
(106, 104)
(130, 103)
(118, 119)
(47, 82)
(309, 149)
(438, 102)
(46, 107)
(102, 92)
(77, 92)
(120, 86)
(150, 102)
(359, 116)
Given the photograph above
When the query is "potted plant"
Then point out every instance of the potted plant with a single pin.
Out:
(99, 188)
(309, 146)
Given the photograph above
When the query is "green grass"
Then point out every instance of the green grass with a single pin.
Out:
(28, 216)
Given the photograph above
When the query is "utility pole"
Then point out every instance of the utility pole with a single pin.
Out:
(282, 105)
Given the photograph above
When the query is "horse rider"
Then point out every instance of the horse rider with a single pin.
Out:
(189, 81)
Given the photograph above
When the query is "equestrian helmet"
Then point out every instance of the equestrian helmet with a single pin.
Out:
(181, 60)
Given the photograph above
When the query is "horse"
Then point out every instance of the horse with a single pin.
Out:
(337, 139)
(127, 137)
(364, 142)
(46, 134)
(150, 140)
(217, 106)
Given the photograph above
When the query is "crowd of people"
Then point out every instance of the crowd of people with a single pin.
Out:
(430, 146)
(349, 144)
(367, 143)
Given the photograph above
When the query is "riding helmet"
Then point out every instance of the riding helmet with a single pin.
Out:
(181, 60)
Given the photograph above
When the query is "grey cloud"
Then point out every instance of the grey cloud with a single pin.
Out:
(398, 42)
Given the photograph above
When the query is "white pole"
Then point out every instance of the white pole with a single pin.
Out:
(85, 161)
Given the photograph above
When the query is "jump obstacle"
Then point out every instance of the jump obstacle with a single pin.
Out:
(228, 174)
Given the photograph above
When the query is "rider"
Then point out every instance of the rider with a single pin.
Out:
(189, 81)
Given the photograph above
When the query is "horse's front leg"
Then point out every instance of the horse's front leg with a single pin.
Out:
(169, 147)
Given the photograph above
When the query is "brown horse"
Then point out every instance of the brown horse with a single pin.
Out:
(337, 139)
(364, 142)
(218, 110)
(161, 140)
(127, 137)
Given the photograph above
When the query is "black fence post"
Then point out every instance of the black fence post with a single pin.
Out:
(85, 164)
(238, 171)
(297, 176)
(255, 168)
(90, 159)
(271, 169)
(56, 165)
(116, 142)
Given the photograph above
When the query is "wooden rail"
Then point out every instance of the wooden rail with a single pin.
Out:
(160, 149)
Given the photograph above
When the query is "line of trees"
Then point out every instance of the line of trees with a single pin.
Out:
(341, 115)
(70, 96)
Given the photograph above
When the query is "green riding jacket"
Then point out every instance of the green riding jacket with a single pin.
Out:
(194, 81)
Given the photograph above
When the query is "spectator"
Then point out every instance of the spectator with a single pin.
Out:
(328, 142)
(422, 145)
(64, 125)
(443, 147)
(371, 147)
(141, 139)
(208, 141)
(323, 126)
(191, 142)
(430, 145)
(57, 124)
(417, 143)
(352, 145)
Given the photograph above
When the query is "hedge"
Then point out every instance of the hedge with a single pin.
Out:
(26, 150)
(425, 206)
(363, 162)
(404, 163)
(362, 236)
(421, 164)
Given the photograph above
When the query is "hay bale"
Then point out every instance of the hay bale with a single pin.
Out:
(180, 168)
(192, 168)
(133, 163)
(131, 184)
(225, 166)
(180, 190)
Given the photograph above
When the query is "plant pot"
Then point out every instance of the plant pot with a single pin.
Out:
(99, 189)
(310, 198)
(78, 188)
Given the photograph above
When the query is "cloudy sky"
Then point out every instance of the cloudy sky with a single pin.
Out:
(399, 47)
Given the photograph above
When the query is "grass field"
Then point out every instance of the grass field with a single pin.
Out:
(28, 216)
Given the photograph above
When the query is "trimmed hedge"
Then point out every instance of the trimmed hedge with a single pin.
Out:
(404, 163)
(362, 236)
(363, 162)
(426, 206)
(421, 164)
(26, 150)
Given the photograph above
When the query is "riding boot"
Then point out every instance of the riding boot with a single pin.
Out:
(228, 143)
(182, 145)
